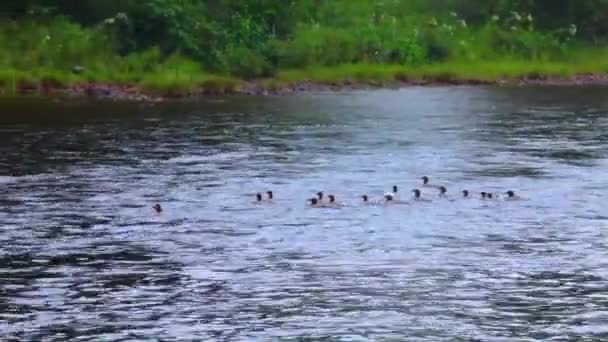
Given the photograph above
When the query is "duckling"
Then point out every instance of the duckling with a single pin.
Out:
(388, 198)
(157, 208)
(258, 197)
(484, 195)
(270, 195)
(365, 199)
(465, 193)
(511, 196)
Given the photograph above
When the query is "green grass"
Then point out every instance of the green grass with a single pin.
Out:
(595, 62)
(37, 56)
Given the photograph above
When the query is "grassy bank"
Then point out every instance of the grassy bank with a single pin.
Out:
(55, 54)
(182, 79)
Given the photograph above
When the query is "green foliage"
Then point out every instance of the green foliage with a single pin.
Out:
(246, 63)
(140, 41)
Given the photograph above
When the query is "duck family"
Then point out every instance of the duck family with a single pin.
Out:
(329, 201)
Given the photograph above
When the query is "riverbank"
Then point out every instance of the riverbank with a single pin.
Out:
(159, 87)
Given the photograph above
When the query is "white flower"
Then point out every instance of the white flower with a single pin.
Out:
(530, 18)
(454, 14)
(122, 16)
(463, 23)
(495, 18)
(516, 16)
(572, 29)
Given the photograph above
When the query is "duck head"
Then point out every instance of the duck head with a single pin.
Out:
(442, 190)
(332, 198)
(365, 198)
(320, 195)
(395, 189)
(313, 201)
(425, 180)
(270, 194)
(417, 193)
(484, 194)
(465, 193)
(157, 208)
(388, 198)
(510, 193)
(259, 197)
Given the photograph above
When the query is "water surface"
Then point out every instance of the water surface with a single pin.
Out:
(84, 257)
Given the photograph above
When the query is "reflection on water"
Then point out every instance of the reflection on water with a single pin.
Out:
(84, 256)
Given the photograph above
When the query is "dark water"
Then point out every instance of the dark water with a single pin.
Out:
(84, 257)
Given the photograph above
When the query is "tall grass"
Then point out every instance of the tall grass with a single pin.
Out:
(36, 55)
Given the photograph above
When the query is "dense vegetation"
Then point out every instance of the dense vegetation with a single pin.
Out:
(173, 45)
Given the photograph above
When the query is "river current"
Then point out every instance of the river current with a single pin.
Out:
(83, 257)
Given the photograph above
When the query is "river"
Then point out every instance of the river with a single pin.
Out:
(84, 257)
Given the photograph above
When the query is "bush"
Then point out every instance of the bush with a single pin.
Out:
(245, 63)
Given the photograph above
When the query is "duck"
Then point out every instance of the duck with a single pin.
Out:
(425, 182)
(388, 198)
(320, 196)
(418, 195)
(393, 194)
(261, 199)
(511, 196)
(365, 199)
(465, 193)
(484, 195)
(157, 208)
(332, 201)
(491, 196)
(442, 191)
(314, 203)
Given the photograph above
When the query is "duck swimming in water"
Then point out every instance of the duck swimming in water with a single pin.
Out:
(425, 182)
(511, 196)
(442, 191)
(465, 193)
(392, 195)
(157, 208)
(261, 199)
(484, 195)
(332, 202)
(320, 196)
(314, 203)
(365, 199)
(417, 194)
